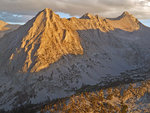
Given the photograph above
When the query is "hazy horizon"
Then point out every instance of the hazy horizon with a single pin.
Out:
(65, 15)
(20, 11)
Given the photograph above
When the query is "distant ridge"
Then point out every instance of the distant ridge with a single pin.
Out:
(5, 28)
(125, 13)
(125, 22)
(3, 25)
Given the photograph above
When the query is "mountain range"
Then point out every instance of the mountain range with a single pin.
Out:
(51, 57)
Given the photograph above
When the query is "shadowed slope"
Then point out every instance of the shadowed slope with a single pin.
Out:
(47, 37)
(42, 41)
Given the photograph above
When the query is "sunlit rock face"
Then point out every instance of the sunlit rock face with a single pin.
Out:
(49, 37)
(5, 28)
(125, 22)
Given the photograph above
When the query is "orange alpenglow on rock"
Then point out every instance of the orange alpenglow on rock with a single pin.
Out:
(46, 41)
(3, 26)
(47, 37)
(125, 22)
(6, 28)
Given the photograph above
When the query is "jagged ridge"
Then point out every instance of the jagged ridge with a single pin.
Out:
(125, 22)
(51, 37)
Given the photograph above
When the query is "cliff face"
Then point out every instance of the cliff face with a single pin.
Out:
(50, 57)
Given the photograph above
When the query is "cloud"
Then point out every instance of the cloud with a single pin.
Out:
(146, 22)
(106, 8)
(11, 17)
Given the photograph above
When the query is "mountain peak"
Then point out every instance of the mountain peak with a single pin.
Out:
(45, 41)
(47, 37)
(125, 22)
(125, 13)
(86, 16)
(48, 11)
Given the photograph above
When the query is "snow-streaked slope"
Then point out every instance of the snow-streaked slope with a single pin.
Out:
(50, 57)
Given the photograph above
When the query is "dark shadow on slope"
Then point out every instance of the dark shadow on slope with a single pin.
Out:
(140, 75)
(103, 39)
(14, 39)
(127, 77)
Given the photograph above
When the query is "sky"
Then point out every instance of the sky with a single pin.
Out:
(20, 11)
